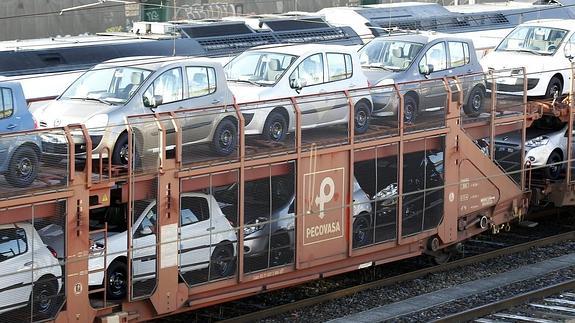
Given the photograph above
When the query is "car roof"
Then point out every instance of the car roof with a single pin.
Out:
(154, 62)
(302, 49)
(15, 225)
(423, 37)
(553, 23)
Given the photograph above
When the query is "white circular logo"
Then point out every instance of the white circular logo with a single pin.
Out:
(451, 197)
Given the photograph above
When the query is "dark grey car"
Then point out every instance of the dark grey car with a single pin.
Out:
(418, 57)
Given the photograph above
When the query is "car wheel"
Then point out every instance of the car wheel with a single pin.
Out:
(117, 280)
(225, 138)
(409, 109)
(555, 86)
(222, 261)
(361, 231)
(275, 128)
(23, 167)
(280, 250)
(474, 105)
(553, 171)
(44, 298)
(121, 151)
(362, 117)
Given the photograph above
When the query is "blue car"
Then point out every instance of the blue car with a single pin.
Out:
(19, 155)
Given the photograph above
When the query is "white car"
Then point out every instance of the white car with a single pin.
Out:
(29, 271)
(545, 144)
(544, 48)
(268, 73)
(202, 224)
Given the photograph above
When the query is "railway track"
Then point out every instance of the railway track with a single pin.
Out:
(545, 305)
(413, 275)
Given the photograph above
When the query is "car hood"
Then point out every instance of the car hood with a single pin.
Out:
(63, 112)
(245, 92)
(499, 60)
(514, 138)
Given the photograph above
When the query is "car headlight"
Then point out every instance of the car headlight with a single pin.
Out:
(388, 195)
(255, 226)
(98, 121)
(537, 142)
(96, 248)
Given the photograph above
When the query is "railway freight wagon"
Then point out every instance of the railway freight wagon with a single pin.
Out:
(181, 228)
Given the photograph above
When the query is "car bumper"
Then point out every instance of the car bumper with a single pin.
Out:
(385, 103)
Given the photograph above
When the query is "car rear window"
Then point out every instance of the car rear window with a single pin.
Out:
(13, 242)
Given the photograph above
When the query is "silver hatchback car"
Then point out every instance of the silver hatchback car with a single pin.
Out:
(105, 95)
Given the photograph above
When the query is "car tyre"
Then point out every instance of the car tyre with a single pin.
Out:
(280, 250)
(275, 127)
(362, 116)
(222, 262)
(44, 298)
(474, 105)
(23, 167)
(225, 138)
(553, 172)
(555, 85)
(117, 280)
(409, 109)
(362, 231)
(122, 150)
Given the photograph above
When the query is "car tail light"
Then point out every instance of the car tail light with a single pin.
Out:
(35, 123)
(369, 84)
(54, 253)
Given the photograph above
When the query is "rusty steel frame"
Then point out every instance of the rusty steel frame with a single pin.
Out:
(170, 296)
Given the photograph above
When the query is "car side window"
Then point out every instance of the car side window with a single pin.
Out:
(7, 101)
(13, 242)
(457, 54)
(291, 209)
(338, 66)
(310, 71)
(201, 81)
(168, 86)
(148, 224)
(435, 56)
(193, 210)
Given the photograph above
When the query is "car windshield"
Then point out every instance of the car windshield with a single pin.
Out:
(259, 68)
(393, 55)
(533, 39)
(109, 85)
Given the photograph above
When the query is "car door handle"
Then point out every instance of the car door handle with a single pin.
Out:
(26, 266)
(216, 101)
(210, 228)
(11, 126)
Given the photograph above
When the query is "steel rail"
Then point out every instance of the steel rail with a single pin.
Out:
(509, 302)
(276, 310)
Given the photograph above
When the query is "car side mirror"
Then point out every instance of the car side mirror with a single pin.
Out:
(146, 231)
(568, 50)
(152, 102)
(426, 69)
(298, 84)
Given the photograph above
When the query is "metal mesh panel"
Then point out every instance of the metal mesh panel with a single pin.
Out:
(269, 216)
(476, 101)
(509, 149)
(146, 148)
(324, 118)
(384, 117)
(208, 136)
(31, 270)
(146, 144)
(26, 162)
(208, 226)
(509, 88)
(270, 128)
(571, 164)
(422, 185)
(424, 105)
(375, 195)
